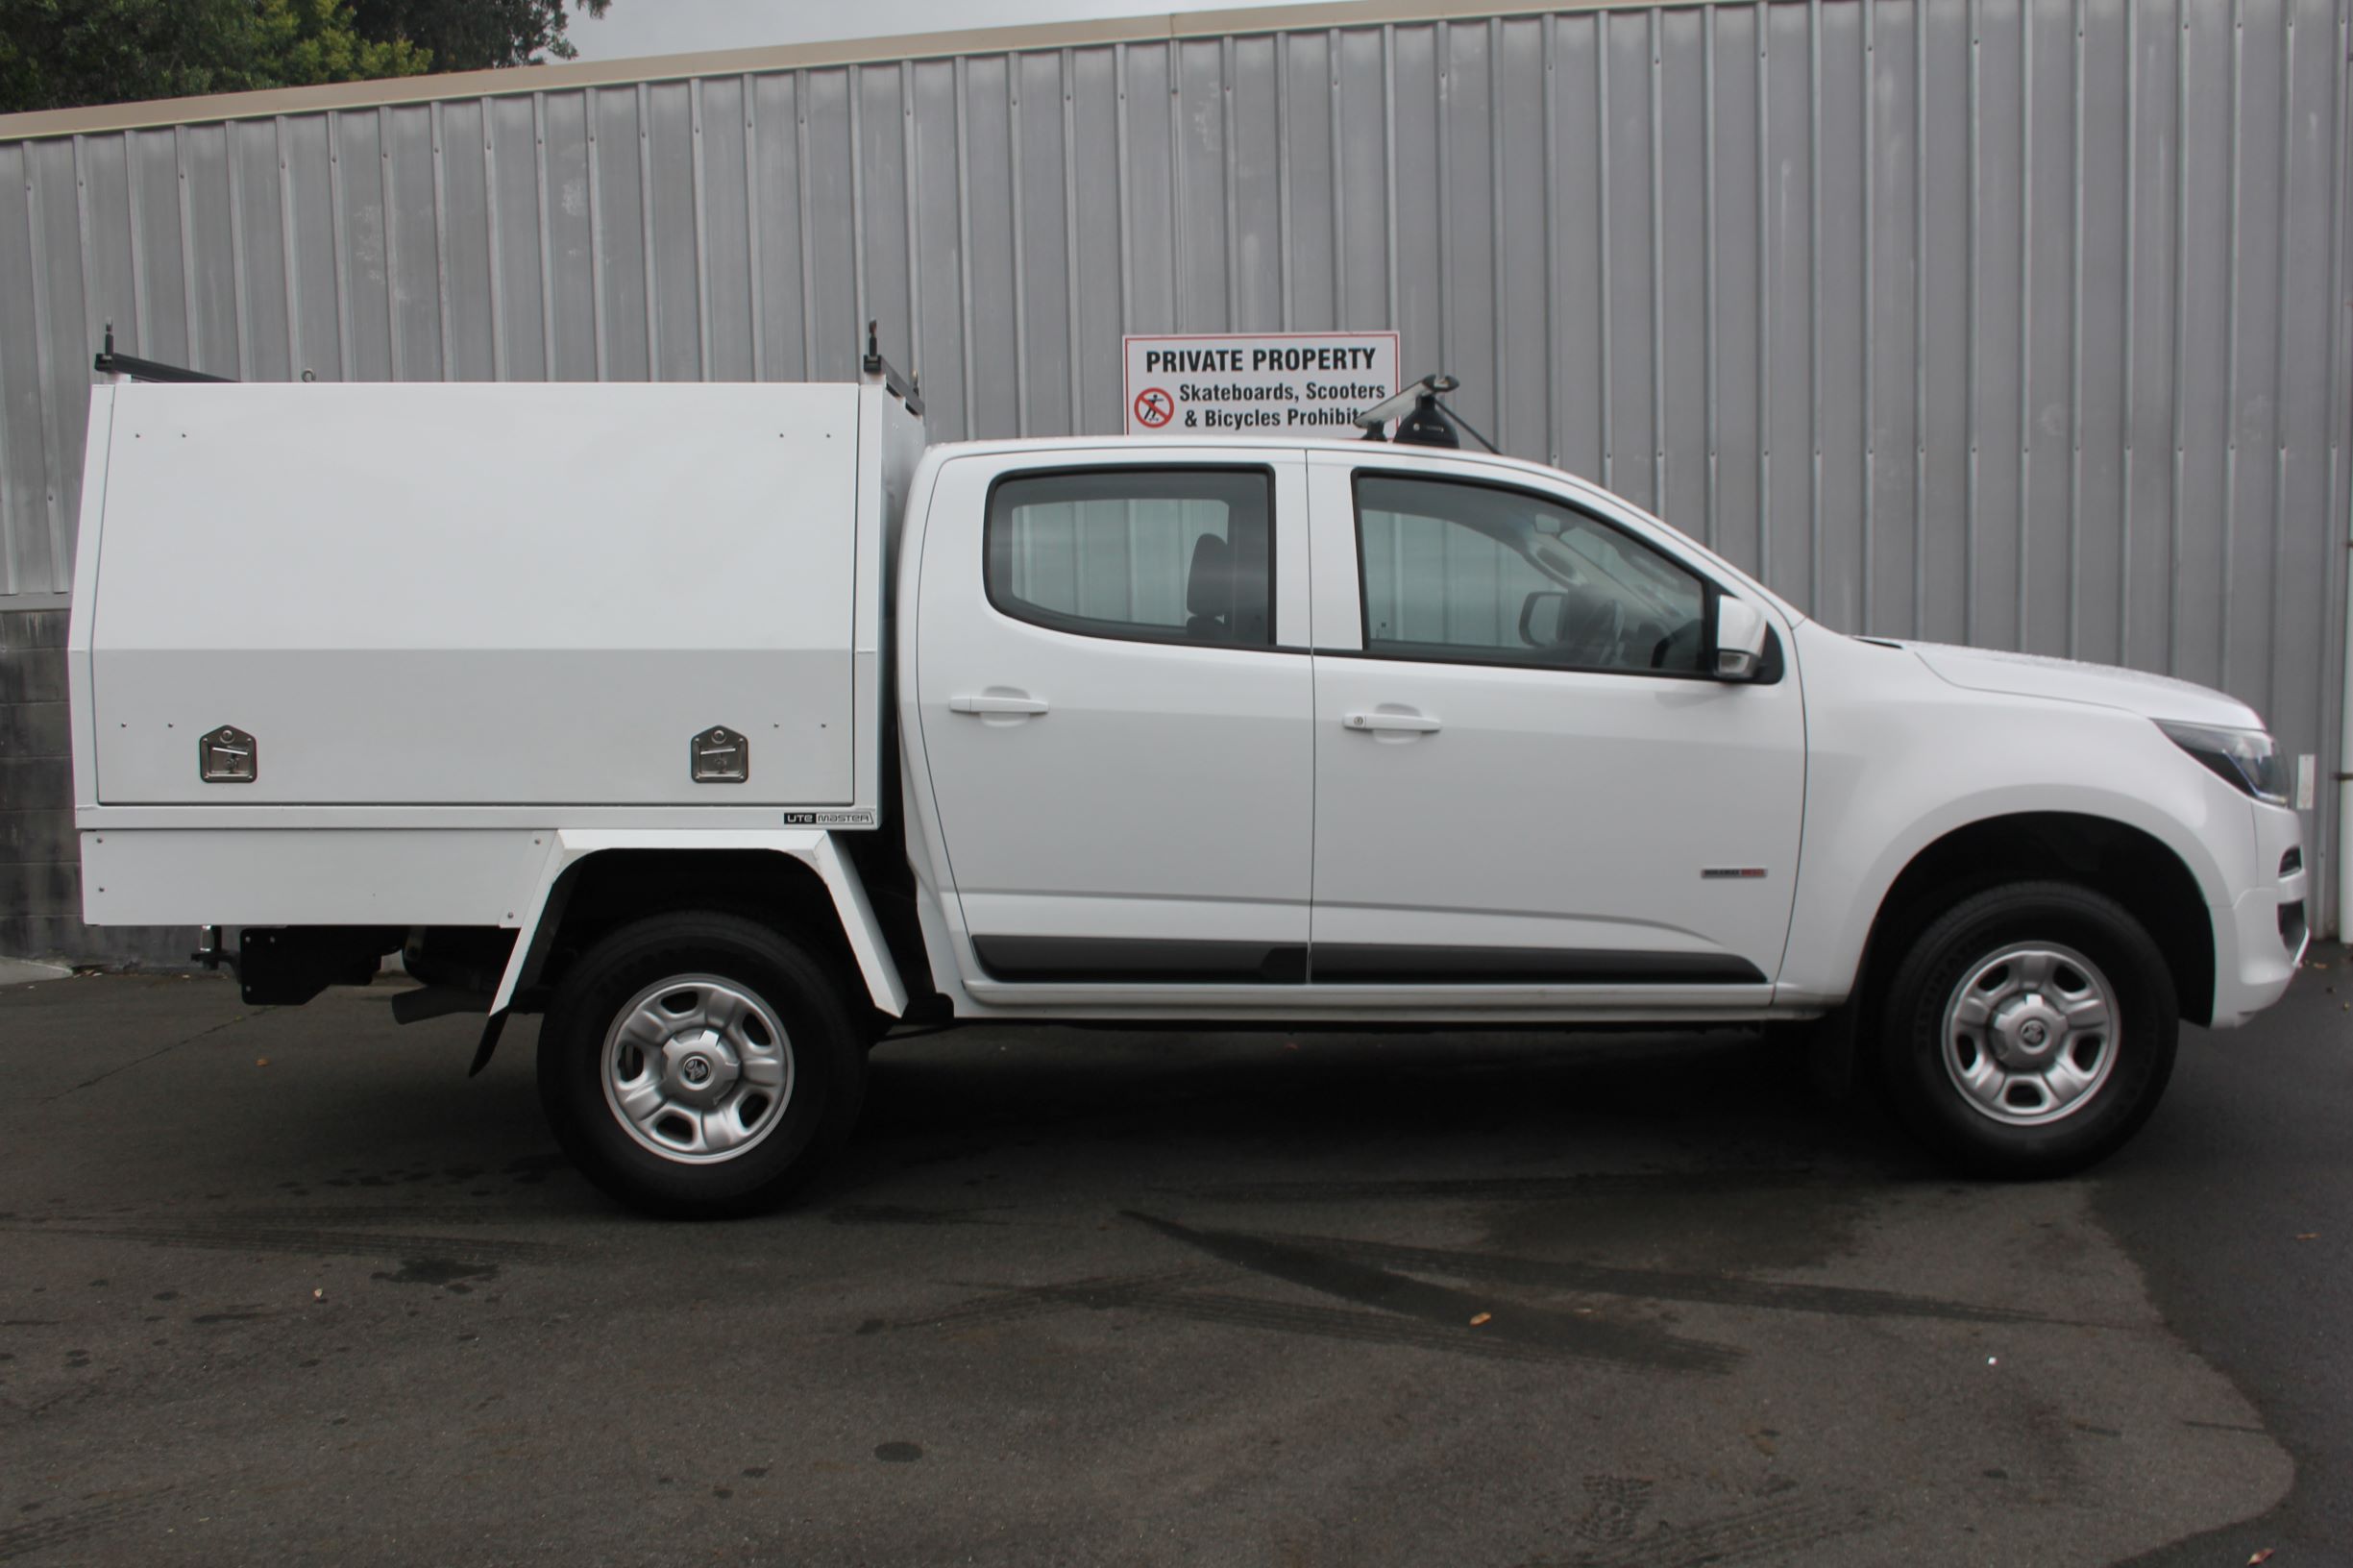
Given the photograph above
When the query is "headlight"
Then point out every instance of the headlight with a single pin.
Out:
(2245, 759)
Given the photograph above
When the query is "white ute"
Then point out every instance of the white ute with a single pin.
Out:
(729, 726)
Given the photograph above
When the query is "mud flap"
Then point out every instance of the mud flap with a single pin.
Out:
(489, 1044)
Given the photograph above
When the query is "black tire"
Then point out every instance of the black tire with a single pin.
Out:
(822, 1040)
(1923, 1085)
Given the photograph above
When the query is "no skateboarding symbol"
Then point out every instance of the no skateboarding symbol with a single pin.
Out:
(1154, 408)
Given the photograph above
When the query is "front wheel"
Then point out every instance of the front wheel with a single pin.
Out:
(700, 1064)
(2029, 1031)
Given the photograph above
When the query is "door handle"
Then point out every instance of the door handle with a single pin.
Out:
(1416, 723)
(995, 704)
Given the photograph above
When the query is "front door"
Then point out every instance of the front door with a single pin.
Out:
(1118, 744)
(1523, 776)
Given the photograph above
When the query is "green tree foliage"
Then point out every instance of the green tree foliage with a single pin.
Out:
(304, 43)
(57, 54)
(475, 35)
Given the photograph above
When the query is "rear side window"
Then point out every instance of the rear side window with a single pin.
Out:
(1176, 556)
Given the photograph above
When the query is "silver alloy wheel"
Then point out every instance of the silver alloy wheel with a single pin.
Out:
(2030, 1034)
(698, 1069)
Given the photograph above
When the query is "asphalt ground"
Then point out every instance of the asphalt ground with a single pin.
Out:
(283, 1285)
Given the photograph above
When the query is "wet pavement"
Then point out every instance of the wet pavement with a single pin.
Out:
(283, 1284)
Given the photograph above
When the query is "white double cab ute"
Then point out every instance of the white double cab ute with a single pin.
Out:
(732, 726)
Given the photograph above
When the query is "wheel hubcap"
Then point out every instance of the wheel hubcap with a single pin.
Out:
(2029, 1033)
(698, 1069)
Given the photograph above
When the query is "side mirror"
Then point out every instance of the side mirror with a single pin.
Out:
(1737, 648)
(1540, 615)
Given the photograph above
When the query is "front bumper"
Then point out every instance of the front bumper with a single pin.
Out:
(2259, 939)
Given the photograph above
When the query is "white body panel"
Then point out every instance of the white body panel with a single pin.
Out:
(487, 596)
(1606, 802)
(322, 876)
(1899, 755)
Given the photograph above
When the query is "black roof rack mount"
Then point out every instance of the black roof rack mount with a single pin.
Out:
(110, 364)
(1422, 420)
(909, 393)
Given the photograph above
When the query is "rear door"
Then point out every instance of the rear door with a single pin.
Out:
(1116, 712)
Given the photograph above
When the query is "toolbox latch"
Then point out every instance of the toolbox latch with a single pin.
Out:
(721, 756)
(228, 755)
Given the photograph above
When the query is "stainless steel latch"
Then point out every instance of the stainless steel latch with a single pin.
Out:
(228, 755)
(720, 756)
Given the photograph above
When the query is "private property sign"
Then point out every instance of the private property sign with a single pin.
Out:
(1271, 383)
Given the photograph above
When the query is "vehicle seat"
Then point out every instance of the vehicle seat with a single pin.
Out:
(1589, 628)
(1208, 590)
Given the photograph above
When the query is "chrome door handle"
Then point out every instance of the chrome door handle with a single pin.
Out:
(1417, 723)
(995, 704)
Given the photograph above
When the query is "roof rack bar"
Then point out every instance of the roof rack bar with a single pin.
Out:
(110, 364)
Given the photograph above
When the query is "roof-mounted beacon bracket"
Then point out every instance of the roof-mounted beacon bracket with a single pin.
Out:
(908, 392)
(1422, 420)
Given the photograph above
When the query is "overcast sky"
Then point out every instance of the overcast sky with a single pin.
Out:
(673, 27)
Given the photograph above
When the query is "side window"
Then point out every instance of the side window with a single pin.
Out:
(1456, 570)
(1182, 555)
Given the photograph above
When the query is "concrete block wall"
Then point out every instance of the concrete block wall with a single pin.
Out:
(40, 869)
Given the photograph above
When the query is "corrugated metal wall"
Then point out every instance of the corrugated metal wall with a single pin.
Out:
(2012, 322)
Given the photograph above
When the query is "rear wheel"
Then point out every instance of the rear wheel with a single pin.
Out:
(700, 1064)
(2029, 1031)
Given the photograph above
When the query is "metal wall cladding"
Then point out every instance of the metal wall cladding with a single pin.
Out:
(2011, 322)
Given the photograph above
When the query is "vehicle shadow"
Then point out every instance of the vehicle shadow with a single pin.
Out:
(1301, 1113)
